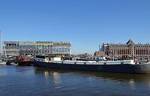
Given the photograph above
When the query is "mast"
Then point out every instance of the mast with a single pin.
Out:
(0, 44)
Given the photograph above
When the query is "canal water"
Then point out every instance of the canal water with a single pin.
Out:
(30, 81)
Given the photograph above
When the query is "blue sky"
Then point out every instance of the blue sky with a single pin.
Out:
(84, 23)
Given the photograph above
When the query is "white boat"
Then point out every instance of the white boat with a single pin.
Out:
(2, 62)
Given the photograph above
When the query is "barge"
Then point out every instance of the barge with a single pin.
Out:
(119, 66)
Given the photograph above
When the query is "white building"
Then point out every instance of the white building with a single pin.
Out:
(15, 48)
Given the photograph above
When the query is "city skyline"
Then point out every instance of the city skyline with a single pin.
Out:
(85, 23)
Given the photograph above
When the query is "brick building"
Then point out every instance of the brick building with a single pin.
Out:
(99, 54)
(140, 52)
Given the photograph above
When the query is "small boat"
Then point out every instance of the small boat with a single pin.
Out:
(119, 66)
(2, 62)
(24, 60)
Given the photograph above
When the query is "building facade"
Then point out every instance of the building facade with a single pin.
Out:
(15, 48)
(140, 52)
(99, 53)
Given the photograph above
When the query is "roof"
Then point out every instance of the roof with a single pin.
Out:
(130, 42)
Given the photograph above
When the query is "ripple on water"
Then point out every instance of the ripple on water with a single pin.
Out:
(23, 81)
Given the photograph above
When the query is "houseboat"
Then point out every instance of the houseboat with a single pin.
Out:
(117, 66)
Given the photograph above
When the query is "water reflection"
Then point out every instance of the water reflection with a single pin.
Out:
(55, 76)
(131, 79)
(132, 84)
(46, 74)
(30, 81)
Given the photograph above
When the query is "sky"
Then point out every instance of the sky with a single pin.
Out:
(85, 23)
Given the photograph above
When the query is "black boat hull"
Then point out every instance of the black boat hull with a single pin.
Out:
(117, 68)
(25, 63)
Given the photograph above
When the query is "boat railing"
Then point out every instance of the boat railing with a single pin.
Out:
(91, 62)
(95, 63)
